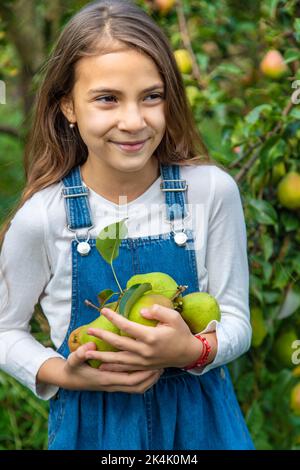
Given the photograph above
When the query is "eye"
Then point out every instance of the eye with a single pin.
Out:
(104, 97)
(155, 95)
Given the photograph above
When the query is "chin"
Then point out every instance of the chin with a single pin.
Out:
(132, 164)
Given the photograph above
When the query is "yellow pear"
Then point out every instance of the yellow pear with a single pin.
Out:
(289, 190)
(295, 399)
(192, 93)
(164, 6)
(259, 329)
(183, 60)
(278, 171)
(80, 336)
(146, 301)
(162, 283)
(198, 309)
(273, 65)
(282, 348)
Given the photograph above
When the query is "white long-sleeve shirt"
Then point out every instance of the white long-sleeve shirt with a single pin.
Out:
(36, 263)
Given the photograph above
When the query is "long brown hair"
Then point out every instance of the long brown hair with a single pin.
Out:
(53, 149)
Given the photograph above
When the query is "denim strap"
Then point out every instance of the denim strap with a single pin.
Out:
(78, 208)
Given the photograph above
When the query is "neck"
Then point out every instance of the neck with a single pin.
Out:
(99, 178)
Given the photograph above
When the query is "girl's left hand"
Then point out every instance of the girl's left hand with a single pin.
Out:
(169, 344)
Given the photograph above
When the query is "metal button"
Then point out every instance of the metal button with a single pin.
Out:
(180, 238)
(83, 248)
(222, 373)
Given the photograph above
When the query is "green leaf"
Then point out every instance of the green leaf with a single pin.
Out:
(263, 211)
(278, 150)
(297, 28)
(131, 296)
(255, 418)
(109, 240)
(291, 303)
(104, 295)
(245, 386)
(296, 263)
(256, 287)
(290, 221)
(254, 115)
(267, 246)
(281, 276)
(267, 270)
(291, 55)
(295, 113)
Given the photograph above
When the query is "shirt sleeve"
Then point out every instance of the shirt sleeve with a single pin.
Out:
(24, 273)
(228, 271)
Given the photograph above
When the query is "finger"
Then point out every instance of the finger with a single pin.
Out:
(132, 328)
(119, 368)
(126, 379)
(147, 383)
(162, 314)
(78, 357)
(121, 357)
(120, 342)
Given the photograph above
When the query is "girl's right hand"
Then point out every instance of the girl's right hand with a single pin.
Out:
(78, 375)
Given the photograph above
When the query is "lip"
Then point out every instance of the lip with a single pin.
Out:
(131, 147)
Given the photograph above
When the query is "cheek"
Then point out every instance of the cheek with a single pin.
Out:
(159, 120)
(94, 123)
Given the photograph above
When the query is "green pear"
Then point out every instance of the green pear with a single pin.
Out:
(162, 283)
(289, 190)
(198, 309)
(80, 336)
(146, 301)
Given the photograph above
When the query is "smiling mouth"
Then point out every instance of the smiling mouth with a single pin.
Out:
(131, 148)
(138, 142)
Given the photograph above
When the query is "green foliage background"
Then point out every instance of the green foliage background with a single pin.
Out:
(250, 125)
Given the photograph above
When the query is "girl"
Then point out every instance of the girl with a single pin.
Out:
(114, 137)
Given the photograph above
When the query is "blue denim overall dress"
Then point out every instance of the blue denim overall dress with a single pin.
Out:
(181, 411)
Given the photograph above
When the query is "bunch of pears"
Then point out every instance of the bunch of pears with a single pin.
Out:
(197, 309)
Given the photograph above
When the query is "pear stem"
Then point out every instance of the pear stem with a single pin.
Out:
(116, 279)
(179, 291)
(89, 304)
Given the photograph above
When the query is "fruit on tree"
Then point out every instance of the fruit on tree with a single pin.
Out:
(273, 64)
(259, 329)
(278, 171)
(282, 348)
(184, 60)
(295, 399)
(192, 93)
(164, 6)
(288, 190)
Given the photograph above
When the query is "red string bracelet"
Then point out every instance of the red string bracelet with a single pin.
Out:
(203, 356)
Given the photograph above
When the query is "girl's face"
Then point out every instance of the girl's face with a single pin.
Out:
(110, 104)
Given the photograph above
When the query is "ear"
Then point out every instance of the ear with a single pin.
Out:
(67, 108)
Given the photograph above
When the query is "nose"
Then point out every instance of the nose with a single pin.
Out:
(132, 119)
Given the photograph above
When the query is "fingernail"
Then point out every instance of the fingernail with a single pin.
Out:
(145, 310)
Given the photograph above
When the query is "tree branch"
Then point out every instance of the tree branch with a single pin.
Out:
(187, 43)
(12, 131)
(255, 156)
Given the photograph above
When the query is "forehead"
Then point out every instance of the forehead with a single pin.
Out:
(115, 68)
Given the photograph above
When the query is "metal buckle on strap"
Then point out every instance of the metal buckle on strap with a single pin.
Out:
(174, 189)
(85, 191)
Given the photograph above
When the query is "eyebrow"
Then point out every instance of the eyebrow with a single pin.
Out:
(110, 90)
